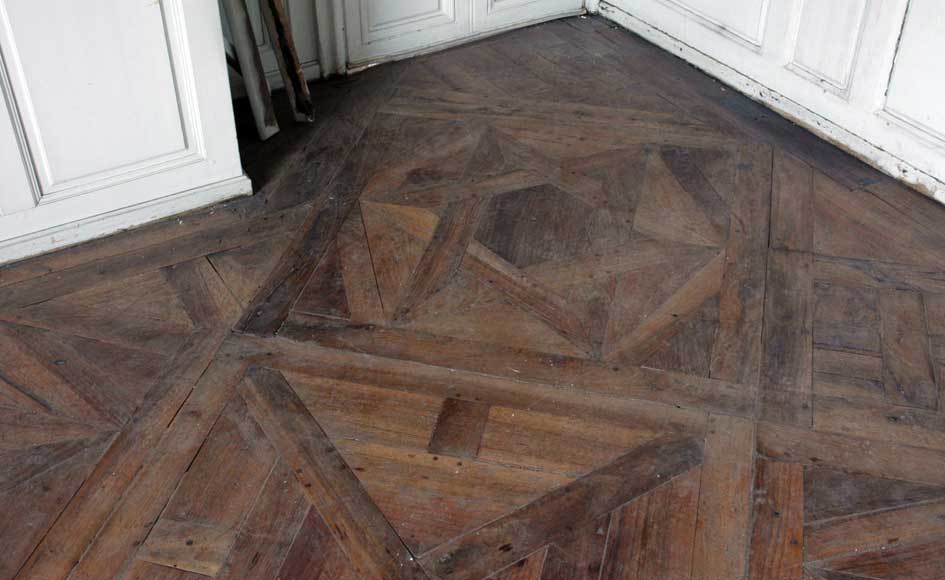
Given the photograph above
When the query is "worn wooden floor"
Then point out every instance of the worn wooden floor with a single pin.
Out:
(550, 306)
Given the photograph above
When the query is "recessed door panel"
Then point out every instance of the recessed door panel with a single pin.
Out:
(495, 14)
(828, 41)
(16, 193)
(744, 19)
(380, 28)
(84, 122)
(917, 84)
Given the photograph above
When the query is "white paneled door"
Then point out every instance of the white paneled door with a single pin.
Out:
(111, 113)
(382, 29)
(865, 73)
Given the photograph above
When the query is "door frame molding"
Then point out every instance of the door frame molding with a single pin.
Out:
(332, 39)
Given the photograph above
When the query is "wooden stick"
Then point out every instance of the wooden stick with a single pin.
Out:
(280, 34)
(247, 52)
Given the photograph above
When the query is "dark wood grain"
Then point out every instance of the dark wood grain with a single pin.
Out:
(443, 255)
(548, 306)
(368, 540)
(737, 352)
(523, 531)
(792, 204)
(652, 536)
(908, 375)
(786, 371)
(777, 539)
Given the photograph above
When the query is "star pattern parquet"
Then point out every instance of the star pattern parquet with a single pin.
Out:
(551, 306)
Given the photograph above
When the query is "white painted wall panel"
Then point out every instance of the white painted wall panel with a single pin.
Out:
(378, 29)
(382, 29)
(78, 79)
(828, 41)
(743, 18)
(916, 92)
(498, 14)
(16, 189)
(125, 110)
(379, 15)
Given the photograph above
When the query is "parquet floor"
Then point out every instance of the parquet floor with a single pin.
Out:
(550, 306)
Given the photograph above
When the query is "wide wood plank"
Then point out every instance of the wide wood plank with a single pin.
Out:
(923, 560)
(786, 372)
(723, 524)
(270, 528)
(777, 539)
(62, 547)
(908, 373)
(879, 421)
(125, 265)
(523, 531)
(127, 526)
(444, 383)
(200, 522)
(329, 211)
(367, 538)
(624, 381)
(879, 458)
(443, 255)
(792, 204)
(736, 355)
(580, 556)
(875, 531)
(652, 536)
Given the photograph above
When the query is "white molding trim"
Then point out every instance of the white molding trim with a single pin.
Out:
(754, 43)
(355, 67)
(445, 9)
(839, 87)
(83, 230)
(330, 34)
(53, 189)
(850, 142)
(11, 203)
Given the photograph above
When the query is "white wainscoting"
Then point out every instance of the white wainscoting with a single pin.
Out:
(862, 73)
(114, 113)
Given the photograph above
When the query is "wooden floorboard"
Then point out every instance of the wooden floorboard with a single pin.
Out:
(547, 306)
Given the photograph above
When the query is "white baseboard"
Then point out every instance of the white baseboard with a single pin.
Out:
(83, 230)
(791, 110)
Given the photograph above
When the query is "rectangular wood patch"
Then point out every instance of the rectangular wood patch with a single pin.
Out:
(459, 428)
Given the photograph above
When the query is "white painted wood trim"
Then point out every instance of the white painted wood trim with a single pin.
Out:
(332, 48)
(466, 39)
(98, 226)
(854, 144)
(592, 6)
